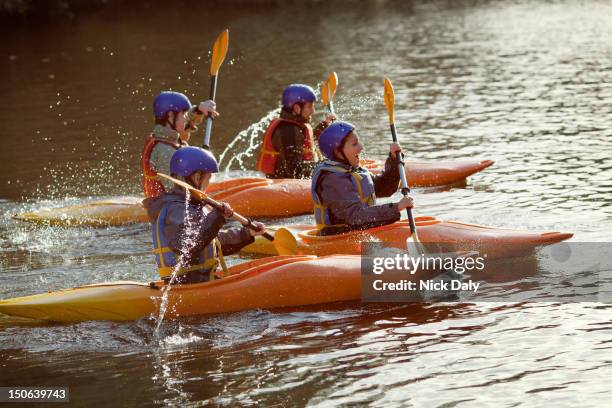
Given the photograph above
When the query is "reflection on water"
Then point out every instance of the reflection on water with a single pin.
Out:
(524, 84)
(380, 355)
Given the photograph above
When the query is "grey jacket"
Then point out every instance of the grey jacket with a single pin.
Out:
(189, 230)
(340, 195)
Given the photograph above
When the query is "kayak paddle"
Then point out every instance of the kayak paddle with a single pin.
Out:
(389, 103)
(328, 90)
(214, 203)
(218, 55)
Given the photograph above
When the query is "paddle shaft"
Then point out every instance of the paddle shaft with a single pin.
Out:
(402, 172)
(330, 106)
(213, 93)
(243, 220)
(215, 204)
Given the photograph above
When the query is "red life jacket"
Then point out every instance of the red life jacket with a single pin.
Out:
(151, 185)
(268, 155)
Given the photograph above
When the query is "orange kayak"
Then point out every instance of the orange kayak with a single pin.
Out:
(439, 173)
(495, 242)
(283, 281)
(254, 197)
(251, 197)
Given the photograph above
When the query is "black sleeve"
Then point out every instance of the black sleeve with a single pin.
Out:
(386, 183)
(318, 130)
(306, 169)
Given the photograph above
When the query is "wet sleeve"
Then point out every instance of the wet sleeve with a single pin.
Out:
(386, 183)
(340, 195)
(319, 129)
(190, 235)
(307, 168)
(234, 239)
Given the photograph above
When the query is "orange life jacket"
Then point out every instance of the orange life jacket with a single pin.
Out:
(151, 185)
(268, 155)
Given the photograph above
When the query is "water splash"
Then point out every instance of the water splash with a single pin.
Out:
(189, 241)
(248, 141)
(168, 371)
(77, 174)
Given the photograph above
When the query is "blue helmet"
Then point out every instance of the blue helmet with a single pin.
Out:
(189, 159)
(331, 138)
(296, 93)
(170, 102)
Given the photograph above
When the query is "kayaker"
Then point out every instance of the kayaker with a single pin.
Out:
(344, 194)
(175, 119)
(186, 235)
(288, 146)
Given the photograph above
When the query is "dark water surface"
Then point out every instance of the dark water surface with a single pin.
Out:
(527, 84)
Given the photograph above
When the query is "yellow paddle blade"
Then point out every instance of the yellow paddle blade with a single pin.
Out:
(219, 51)
(389, 100)
(328, 90)
(285, 242)
(325, 93)
(333, 84)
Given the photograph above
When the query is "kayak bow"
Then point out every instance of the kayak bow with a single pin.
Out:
(496, 242)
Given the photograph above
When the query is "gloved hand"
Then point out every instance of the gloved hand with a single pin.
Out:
(330, 118)
(394, 148)
(261, 228)
(208, 108)
(405, 202)
(228, 212)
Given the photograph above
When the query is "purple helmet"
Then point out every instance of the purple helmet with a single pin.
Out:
(189, 159)
(170, 102)
(297, 93)
(331, 138)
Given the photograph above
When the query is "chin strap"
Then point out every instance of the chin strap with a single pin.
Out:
(344, 160)
(172, 126)
(173, 123)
